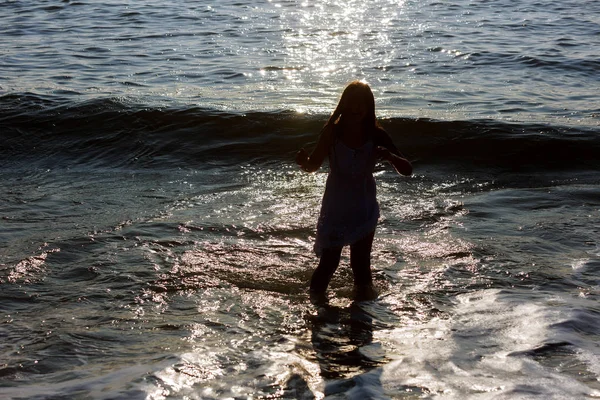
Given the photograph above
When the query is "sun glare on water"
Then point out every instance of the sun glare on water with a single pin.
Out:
(327, 44)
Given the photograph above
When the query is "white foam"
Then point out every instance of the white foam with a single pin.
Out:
(475, 353)
(579, 263)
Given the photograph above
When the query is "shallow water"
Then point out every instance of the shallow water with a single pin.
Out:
(156, 238)
(483, 292)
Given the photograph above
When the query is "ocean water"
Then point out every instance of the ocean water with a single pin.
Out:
(156, 237)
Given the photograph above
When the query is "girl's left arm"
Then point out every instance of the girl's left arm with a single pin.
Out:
(387, 150)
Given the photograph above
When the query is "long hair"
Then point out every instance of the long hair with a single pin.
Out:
(356, 89)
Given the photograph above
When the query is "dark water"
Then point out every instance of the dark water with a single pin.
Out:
(156, 237)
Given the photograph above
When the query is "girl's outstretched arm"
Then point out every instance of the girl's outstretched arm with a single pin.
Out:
(387, 150)
(400, 164)
(312, 162)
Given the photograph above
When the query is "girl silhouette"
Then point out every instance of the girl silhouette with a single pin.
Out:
(353, 141)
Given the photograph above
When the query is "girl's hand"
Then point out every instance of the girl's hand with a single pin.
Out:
(301, 157)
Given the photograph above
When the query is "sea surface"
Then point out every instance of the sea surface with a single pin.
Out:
(156, 237)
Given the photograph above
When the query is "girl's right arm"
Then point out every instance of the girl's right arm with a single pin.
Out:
(312, 162)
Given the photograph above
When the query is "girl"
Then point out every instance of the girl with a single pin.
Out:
(353, 140)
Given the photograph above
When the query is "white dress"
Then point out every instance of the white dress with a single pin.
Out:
(349, 210)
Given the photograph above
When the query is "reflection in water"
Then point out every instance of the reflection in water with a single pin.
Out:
(342, 338)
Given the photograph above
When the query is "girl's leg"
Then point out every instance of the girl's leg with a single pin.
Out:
(360, 261)
(330, 259)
